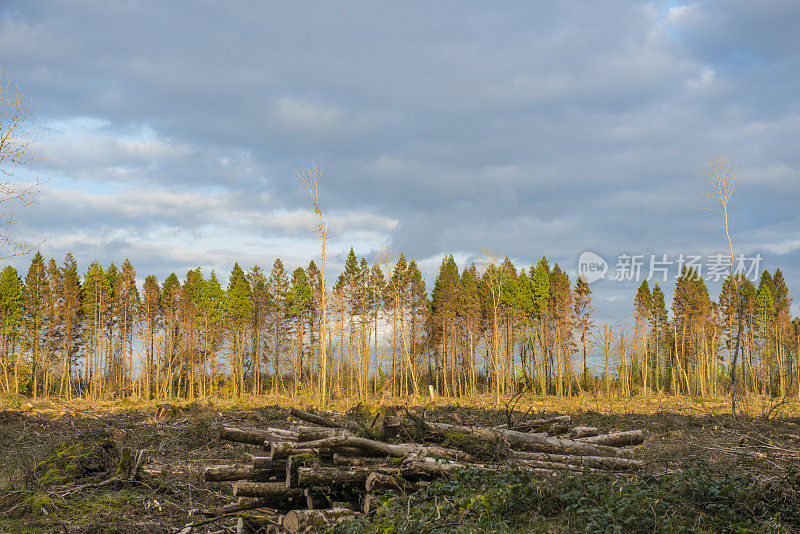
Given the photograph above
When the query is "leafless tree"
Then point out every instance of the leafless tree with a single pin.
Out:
(721, 180)
(17, 136)
(308, 177)
(490, 260)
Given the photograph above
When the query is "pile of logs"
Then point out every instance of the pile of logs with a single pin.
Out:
(323, 471)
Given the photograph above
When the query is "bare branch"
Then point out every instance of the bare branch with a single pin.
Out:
(720, 178)
(17, 135)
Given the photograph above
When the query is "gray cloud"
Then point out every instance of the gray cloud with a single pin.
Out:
(534, 129)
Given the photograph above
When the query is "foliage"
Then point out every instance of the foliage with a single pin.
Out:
(73, 460)
(694, 500)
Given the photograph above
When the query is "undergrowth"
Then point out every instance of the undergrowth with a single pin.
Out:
(693, 500)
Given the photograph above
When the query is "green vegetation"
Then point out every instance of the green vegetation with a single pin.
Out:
(73, 460)
(694, 500)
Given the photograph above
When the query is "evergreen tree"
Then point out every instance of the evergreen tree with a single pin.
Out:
(11, 298)
(51, 321)
(299, 301)
(71, 317)
(96, 304)
(582, 319)
(660, 333)
(239, 312)
(170, 310)
(260, 296)
(469, 310)
(33, 315)
(152, 316)
(278, 288)
(127, 312)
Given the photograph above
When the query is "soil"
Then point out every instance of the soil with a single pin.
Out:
(43, 490)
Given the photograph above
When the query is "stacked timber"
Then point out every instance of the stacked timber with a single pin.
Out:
(322, 471)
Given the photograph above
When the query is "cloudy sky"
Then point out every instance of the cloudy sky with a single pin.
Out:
(170, 132)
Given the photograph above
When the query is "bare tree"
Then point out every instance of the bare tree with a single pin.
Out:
(16, 138)
(490, 260)
(308, 177)
(720, 179)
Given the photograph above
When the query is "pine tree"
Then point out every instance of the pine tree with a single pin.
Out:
(540, 297)
(299, 302)
(96, 305)
(582, 319)
(33, 316)
(51, 321)
(212, 316)
(469, 309)
(278, 288)
(152, 316)
(375, 299)
(11, 298)
(239, 314)
(643, 312)
(127, 313)
(660, 333)
(190, 316)
(314, 278)
(260, 296)
(444, 306)
(170, 309)
(560, 306)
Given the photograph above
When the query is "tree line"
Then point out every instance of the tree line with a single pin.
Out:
(498, 329)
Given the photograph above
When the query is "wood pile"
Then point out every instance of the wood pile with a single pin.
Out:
(322, 471)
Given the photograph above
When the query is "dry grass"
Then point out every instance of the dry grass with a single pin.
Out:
(182, 435)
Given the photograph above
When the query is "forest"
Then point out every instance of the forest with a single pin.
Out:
(491, 331)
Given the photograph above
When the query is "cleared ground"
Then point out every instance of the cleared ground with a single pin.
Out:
(704, 469)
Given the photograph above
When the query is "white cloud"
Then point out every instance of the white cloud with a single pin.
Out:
(782, 247)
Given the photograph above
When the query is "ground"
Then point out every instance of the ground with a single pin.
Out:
(705, 471)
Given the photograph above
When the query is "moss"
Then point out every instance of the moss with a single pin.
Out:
(125, 462)
(479, 447)
(256, 523)
(306, 460)
(74, 460)
(363, 414)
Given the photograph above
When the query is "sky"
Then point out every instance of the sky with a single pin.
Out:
(170, 132)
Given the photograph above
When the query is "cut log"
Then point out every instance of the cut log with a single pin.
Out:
(430, 467)
(297, 520)
(317, 433)
(249, 488)
(377, 481)
(282, 449)
(246, 504)
(597, 462)
(316, 500)
(617, 439)
(543, 443)
(255, 437)
(333, 444)
(488, 433)
(580, 432)
(340, 459)
(555, 466)
(263, 462)
(220, 473)
(291, 473)
(538, 424)
(294, 462)
(319, 419)
(167, 469)
(557, 429)
(251, 524)
(334, 476)
(370, 504)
